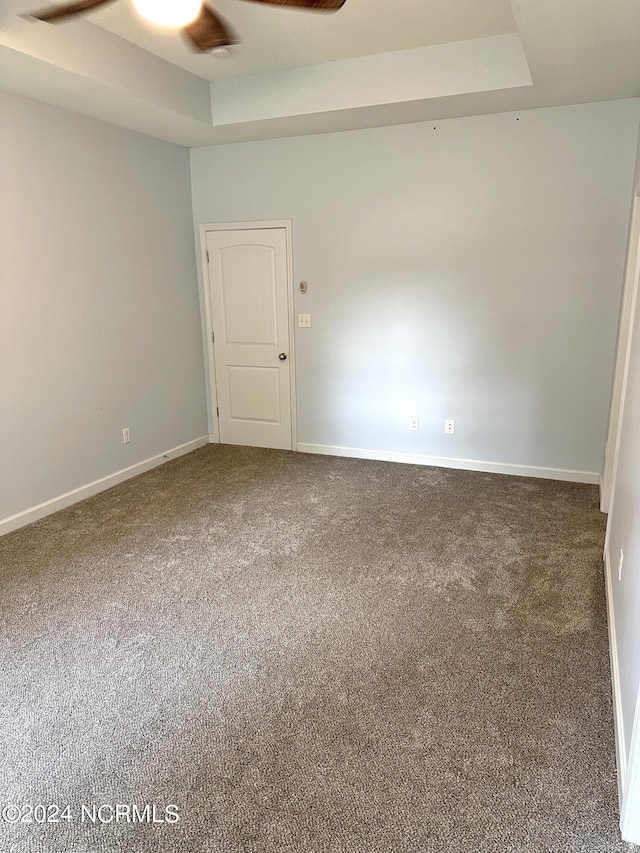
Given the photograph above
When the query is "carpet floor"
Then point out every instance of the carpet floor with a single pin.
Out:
(251, 651)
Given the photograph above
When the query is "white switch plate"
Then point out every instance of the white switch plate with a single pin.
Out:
(126, 435)
(450, 427)
(414, 423)
(304, 321)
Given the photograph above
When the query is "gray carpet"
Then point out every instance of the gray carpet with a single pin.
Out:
(309, 654)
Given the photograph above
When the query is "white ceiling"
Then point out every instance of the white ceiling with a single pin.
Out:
(273, 38)
(374, 62)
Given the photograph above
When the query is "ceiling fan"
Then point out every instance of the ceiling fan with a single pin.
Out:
(205, 29)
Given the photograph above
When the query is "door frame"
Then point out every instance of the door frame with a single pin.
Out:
(629, 296)
(210, 364)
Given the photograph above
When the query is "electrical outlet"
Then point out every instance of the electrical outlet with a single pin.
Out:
(414, 423)
(126, 435)
(620, 565)
(304, 321)
(450, 427)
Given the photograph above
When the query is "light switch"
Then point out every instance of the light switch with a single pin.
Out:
(304, 321)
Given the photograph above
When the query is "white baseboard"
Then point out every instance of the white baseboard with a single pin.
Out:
(27, 516)
(618, 720)
(463, 464)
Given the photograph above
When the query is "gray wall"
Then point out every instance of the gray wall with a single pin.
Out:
(470, 269)
(99, 311)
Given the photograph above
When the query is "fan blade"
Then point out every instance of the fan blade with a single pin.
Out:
(57, 13)
(207, 31)
(317, 5)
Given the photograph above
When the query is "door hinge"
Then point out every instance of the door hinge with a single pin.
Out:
(217, 412)
(207, 256)
(213, 338)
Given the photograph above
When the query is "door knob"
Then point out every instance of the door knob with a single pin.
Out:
(283, 356)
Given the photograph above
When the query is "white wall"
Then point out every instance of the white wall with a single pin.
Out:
(99, 310)
(623, 536)
(469, 269)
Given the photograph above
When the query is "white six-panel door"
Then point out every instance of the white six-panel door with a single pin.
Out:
(249, 305)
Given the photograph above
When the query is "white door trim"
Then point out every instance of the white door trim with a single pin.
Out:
(629, 296)
(212, 395)
(630, 812)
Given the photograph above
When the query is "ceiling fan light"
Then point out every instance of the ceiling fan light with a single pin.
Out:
(169, 13)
